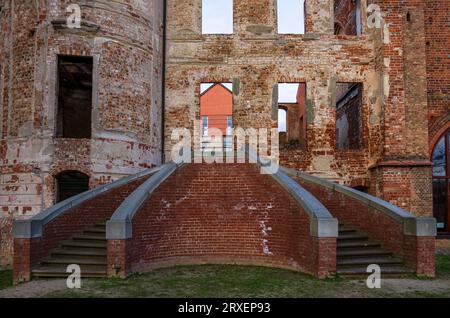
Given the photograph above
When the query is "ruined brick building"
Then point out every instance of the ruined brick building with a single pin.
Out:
(82, 107)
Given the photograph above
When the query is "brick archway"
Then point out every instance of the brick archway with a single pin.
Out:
(440, 156)
(437, 130)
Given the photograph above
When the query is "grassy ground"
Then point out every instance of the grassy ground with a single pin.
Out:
(234, 281)
(443, 266)
(241, 281)
(5, 279)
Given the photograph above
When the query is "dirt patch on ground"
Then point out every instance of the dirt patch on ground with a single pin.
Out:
(414, 285)
(34, 289)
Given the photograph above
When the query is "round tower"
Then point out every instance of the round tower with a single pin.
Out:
(80, 100)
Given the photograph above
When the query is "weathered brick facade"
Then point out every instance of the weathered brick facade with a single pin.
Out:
(394, 160)
(125, 40)
(403, 67)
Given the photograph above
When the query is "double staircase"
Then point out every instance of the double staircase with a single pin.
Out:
(356, 251)
(88, 250)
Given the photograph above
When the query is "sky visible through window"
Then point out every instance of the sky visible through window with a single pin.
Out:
(205, 86)
(291, 17)
(217, 17)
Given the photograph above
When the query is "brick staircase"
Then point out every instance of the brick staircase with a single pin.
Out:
(226, 214)
(356, 251)
(88, 250)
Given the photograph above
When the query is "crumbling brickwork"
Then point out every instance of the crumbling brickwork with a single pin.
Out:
(387, 59)
(437, 41)
(402, 64)
(124, 38)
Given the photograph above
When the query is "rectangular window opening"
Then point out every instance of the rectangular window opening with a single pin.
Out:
(347, 17)
(74, 112)
(216, 111)
(292, 125)
(291, 16)
(217, 16)
(349, 111)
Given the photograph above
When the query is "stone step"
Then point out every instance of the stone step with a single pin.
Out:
(365, 260)
(95, 233)
(385, 270)
(75, 260)
(96, 230)
(86, 245)
(85, 252)
(89, 238)
(60, 272)
(352, 237)
(343, 231)
(356, 244)
(366, 251)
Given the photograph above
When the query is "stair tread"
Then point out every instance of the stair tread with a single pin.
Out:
(364, 260)
(79, 251)
(89, 237)
(384, 270)
(363, 252)
(344, 230)
(63, 270)
(79, 261)
(96, 230)
(352, 236)
(83, 244)
(356, 244)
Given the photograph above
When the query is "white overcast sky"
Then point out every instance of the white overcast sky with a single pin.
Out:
(218, 16)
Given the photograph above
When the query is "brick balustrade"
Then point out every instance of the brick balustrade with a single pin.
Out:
(407, 236)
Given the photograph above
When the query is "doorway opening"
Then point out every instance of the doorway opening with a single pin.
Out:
(292, 115)
(216, 116)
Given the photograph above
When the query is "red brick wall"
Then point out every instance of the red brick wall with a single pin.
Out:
(418, 252)
(226, 214)
(28, 252)
(437, 34)
(354, 213)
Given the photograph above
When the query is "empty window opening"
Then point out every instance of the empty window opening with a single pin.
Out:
(69, 184)
(74, 97)
(349, 129)
(292, 114)
(291, 16)
(216, 112)
(217, 16)
(362, 189)
(347, 17)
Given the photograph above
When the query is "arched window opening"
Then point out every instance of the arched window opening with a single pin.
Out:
(441, 183)
(69, 184)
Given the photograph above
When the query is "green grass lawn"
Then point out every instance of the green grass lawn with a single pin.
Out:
(248, 282)
(221, 281)
(443, 266)
(5, 279)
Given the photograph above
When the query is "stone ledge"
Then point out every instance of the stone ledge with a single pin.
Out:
(33, 227)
